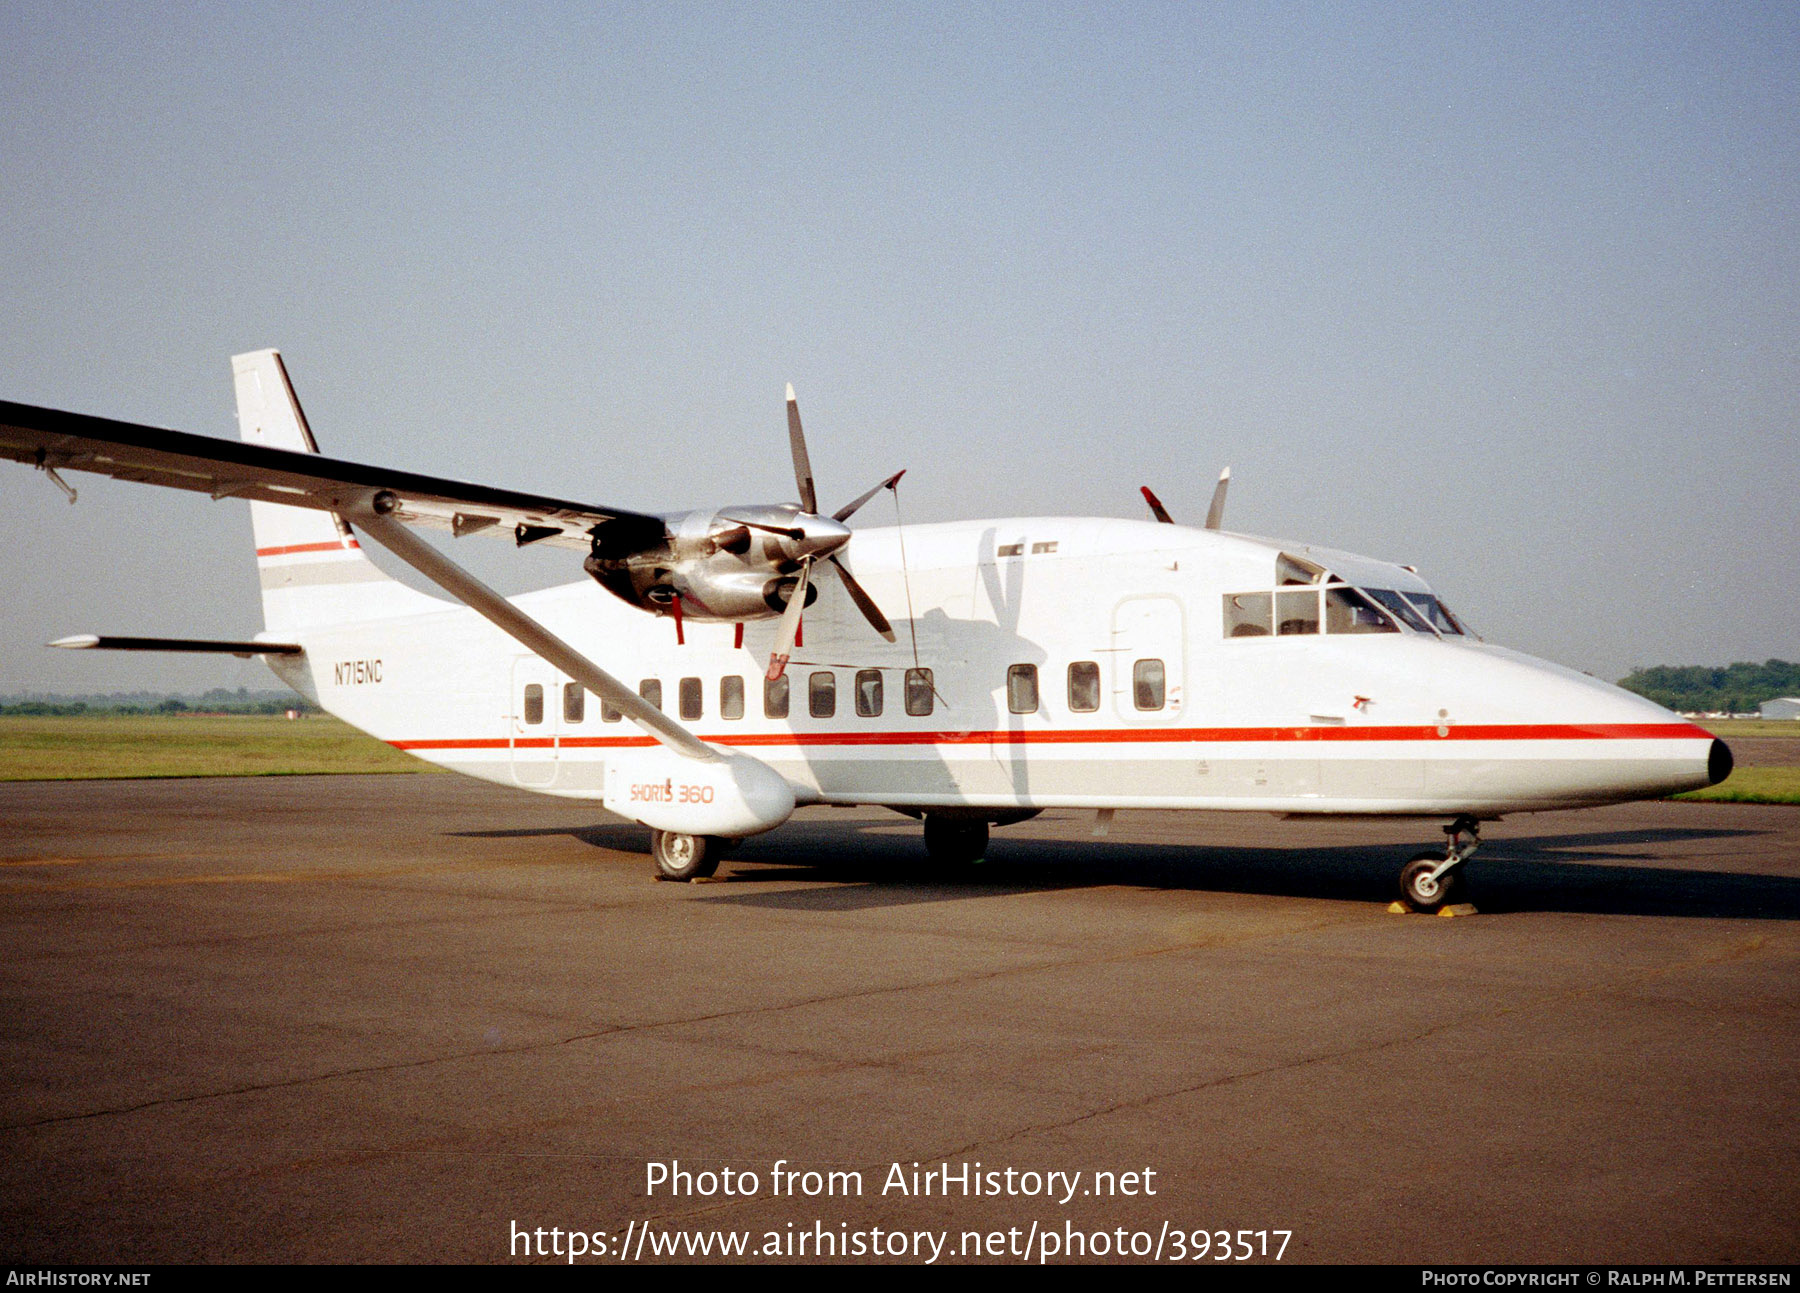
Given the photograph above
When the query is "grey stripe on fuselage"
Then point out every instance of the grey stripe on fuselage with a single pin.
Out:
(305, 574)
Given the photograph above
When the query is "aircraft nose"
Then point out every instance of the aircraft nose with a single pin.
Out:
(1719, 761)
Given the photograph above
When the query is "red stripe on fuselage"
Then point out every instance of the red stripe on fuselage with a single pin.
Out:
(345, 546)
(1116, 736)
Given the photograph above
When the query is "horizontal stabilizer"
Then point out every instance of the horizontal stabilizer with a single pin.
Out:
(93, 641)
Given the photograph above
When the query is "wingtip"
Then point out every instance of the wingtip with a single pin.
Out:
(1226, 474)
(790, 392)
(77, 642)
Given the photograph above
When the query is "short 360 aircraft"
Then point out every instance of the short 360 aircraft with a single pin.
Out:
(1047, 662)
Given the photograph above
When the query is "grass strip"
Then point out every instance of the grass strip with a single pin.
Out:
(1752, 786)
(190, 745)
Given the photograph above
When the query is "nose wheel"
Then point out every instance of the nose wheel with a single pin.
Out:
(1433, 880)
(685, 857)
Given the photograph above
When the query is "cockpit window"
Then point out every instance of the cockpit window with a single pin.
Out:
(1348, 611)
(1401, 608)
(1249, 615)
(1435, 612)
(1296, 612)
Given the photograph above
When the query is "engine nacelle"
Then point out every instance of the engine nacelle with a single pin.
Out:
(666, 791)
(737, 564)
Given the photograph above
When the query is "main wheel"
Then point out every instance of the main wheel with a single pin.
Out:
(685, 857)
(1420, 890)
(955, 842)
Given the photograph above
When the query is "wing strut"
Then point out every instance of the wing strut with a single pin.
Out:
(509, 619)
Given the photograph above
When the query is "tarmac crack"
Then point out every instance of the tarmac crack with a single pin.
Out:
(1039, 967)
(1736, 951)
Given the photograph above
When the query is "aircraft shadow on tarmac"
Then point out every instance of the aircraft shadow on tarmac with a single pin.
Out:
(862, 865)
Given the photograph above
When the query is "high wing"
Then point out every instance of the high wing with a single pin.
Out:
(57, 441)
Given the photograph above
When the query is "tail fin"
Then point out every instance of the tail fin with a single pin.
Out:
(313, 569)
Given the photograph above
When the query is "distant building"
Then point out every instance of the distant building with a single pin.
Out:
(1786, 707)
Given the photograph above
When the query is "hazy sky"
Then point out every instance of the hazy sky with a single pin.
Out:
(1508, 292)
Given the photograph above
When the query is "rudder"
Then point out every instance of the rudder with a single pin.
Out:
(312, 567)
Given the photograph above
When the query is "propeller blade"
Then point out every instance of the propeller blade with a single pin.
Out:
(844, 513)
(864, 603)
(1157, 510)
(1215, 514)
(786, 532)
(803, 477)
(790, 625)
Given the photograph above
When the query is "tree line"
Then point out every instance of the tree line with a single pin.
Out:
(217, 701)
(1733, 688)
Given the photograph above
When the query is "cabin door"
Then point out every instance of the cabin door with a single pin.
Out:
(1149, 659)
(533, 724)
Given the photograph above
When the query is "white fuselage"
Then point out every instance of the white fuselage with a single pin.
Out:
(1390, 722)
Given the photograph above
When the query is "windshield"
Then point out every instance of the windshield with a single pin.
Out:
(1436, 613)
(1401, 608)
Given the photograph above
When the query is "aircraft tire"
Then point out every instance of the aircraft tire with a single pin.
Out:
(950, 842)
(1419, 891)
(685, 857)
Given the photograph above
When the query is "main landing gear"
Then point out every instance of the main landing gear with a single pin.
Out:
(1432, 880)
(954, 841)
(686, 857)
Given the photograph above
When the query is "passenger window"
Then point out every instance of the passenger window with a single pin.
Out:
(775, 697)
(1021, 689)
(607, 713)
(731, 696)
(1248, 615)
(574, 702)
(821, 694)
(1348, 611)
(918, 692)
(1297, 613)
(688, 694)
(1147, 684)
(868, 693)
(1084, 687)
(651, 690)
(534, 704)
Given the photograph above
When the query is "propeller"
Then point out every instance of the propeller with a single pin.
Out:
(785, 531)
(790, 623)
(809, 497)
(824, 536)
(1215, 515)
(845, 512)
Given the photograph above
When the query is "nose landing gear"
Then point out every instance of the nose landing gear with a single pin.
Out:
(1432, 880)
(686, 857)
